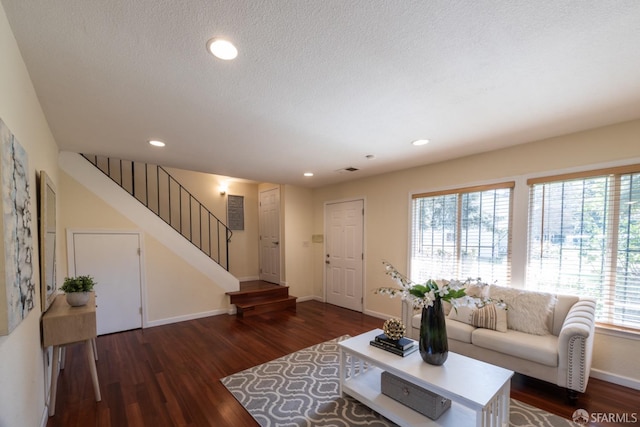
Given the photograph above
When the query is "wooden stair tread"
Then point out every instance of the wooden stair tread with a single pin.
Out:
(255, 296)
(279, 289)
(265, 302)
(276, 288)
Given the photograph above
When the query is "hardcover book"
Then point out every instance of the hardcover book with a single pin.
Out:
(394, 350)
(401, 344)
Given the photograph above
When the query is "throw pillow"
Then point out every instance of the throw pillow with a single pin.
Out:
(490, 316)
(477, 290)
(474, 293)
(529, 311)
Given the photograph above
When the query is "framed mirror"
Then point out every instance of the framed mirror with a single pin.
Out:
(47, 199)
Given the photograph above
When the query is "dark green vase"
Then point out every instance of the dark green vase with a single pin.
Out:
(434, 347)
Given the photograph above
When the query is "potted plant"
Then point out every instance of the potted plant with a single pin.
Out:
(77, 289)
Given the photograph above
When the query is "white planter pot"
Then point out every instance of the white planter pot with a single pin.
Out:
(77, 299)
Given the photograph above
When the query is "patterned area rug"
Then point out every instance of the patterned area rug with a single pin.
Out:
(302, 389)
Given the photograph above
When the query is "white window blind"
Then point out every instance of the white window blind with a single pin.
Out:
(462, 233)
(584, 239)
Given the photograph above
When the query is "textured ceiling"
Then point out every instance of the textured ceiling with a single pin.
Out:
(318, 85)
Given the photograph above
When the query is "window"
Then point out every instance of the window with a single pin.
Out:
(584, 239)
(462, 233)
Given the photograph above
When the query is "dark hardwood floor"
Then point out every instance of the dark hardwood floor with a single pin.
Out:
(169, 375)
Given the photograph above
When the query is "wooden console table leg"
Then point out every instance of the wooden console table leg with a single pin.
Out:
(54, 380)
(92, 367)
(95, 348)
(63, 356)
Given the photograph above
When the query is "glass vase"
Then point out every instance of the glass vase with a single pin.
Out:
(434, 347)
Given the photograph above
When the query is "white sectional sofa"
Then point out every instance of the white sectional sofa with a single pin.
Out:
(549, 337)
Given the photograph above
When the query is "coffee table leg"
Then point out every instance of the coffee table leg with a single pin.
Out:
(342, 372)
(506, 401)
(496, 413)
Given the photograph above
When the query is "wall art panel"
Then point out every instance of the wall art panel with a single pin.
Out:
(17, 287)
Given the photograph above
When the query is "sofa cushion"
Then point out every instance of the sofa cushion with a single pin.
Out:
(459, 331)
(415, 321)
(527, 311)
(490, 316)
(476, 291)
(542, 349)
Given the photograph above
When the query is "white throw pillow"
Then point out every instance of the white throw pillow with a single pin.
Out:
(490, 316)
(475, 291)
(527, 311)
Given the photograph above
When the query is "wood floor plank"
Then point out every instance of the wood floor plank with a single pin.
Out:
(169, 375)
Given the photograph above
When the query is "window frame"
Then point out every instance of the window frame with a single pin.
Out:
(459, 191)
(612, 236)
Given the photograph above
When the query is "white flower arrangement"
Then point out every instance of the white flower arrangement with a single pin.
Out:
(424, 295)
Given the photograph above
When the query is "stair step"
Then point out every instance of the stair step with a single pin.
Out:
(245, 309)
(258, 295)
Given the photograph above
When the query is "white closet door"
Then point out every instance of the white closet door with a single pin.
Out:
(113, 259)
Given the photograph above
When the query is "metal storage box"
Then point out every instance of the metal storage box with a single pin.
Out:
(424, 401)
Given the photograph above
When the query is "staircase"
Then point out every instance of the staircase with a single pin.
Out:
(257, 297)
(162, 194)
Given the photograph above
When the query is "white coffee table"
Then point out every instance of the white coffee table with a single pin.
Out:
(479, 392)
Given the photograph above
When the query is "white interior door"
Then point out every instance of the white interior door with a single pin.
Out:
(344, 223)
(269, 227)
(113, 259)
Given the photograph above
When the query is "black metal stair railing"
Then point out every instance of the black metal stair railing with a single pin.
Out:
(161, 193)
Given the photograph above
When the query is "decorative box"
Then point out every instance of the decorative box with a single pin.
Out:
(424, 401)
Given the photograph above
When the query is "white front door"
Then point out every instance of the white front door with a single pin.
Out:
(269, 228)
(344, 256)
(113, 260)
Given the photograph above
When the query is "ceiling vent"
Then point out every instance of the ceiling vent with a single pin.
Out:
(347, 170)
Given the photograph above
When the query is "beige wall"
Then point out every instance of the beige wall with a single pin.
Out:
(173, 289)
(298, 252)
(22, 361)
(243, 250)
(387, 211)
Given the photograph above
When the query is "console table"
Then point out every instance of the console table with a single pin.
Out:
(479, 391)
(62, 325)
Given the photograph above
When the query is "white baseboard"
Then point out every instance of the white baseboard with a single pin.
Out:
(378, 315)
(170, 320)
(248, 278)
(307, 298)
(615, 379)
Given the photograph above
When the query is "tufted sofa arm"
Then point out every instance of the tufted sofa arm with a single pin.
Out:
(575, 345)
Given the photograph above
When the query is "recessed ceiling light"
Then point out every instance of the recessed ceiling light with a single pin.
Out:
(418, 142)
(308, 174)
(222, 49)
(157, 143)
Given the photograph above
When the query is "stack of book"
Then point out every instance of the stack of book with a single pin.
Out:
(401, 347)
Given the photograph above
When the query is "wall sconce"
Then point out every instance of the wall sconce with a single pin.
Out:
(223, 188)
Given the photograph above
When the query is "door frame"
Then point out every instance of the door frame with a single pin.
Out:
(71, 269)
(364, 246)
